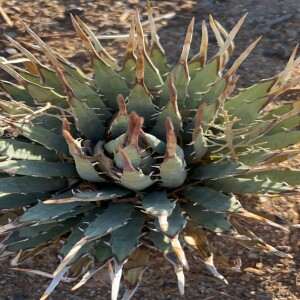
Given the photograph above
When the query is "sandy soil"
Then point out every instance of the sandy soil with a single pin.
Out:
(263, 277)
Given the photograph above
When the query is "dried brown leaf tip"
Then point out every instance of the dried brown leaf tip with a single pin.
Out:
(89, 47)
(140, 33)
(134, 127)
(171, 139)
(134, 139)
(198, 122)
(131, 39)
(140, 67)
(187, 42)
(154, 36)
(204, 45)
(127, 166)
(179, 251)
(70, 140)
(121, 105)
(173, 94)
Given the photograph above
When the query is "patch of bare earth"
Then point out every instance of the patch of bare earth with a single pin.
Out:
(263, 276)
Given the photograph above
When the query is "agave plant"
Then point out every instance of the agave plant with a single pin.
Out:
(137, 158)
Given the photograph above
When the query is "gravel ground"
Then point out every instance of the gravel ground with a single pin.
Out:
(263, 277)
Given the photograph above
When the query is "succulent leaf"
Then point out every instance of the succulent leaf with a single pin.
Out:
(211, 200)
(159, 205)
(15, 149)
(17, 92)
(125, 239)
(169, 111)
(199, 60)
(105, 193)
(83, 164)
(240, 185)
(38, 168)
(110, 83)
(139, 99)
(153, 80)
(179, 74)
(175, 223)
(127, 70)
(133, 270)
(195, 237)
(156, 51)
(214, 221)
(31, 184)
(172, 170)
(7, 200)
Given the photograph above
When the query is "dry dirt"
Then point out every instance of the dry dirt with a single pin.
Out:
(278, 21)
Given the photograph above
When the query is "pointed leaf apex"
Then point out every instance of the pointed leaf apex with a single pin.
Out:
(242, 57)
(43, 46)
(96, 43)
(154, 36)
(204, 44)
(231, 36)
(86, 29)
(140, 32)
(292, 57)
(179, 252)
(28, 54)
(89, 47)
(131, 39)
(121, 104)
(214, 27)
(136, 132)
(70, 140)
(77, 28)
(55, 62)
(188, 41)
(134, 119)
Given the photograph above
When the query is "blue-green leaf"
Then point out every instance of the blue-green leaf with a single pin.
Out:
(112, 218)
(125, 239)
(211, 199)
(26, 184)
(38, 168)
(216, 222)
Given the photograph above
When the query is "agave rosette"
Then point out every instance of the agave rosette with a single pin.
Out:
(138, 157)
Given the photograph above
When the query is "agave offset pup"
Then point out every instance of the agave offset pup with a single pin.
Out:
(137, 158)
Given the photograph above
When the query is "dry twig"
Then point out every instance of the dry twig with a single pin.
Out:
(5, 17)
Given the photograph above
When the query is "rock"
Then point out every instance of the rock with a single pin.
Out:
(10, 51)
(246, 277)
(78, 11)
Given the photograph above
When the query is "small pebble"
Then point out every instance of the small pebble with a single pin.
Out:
(259, 265)
(10, 51)
(92, 293)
